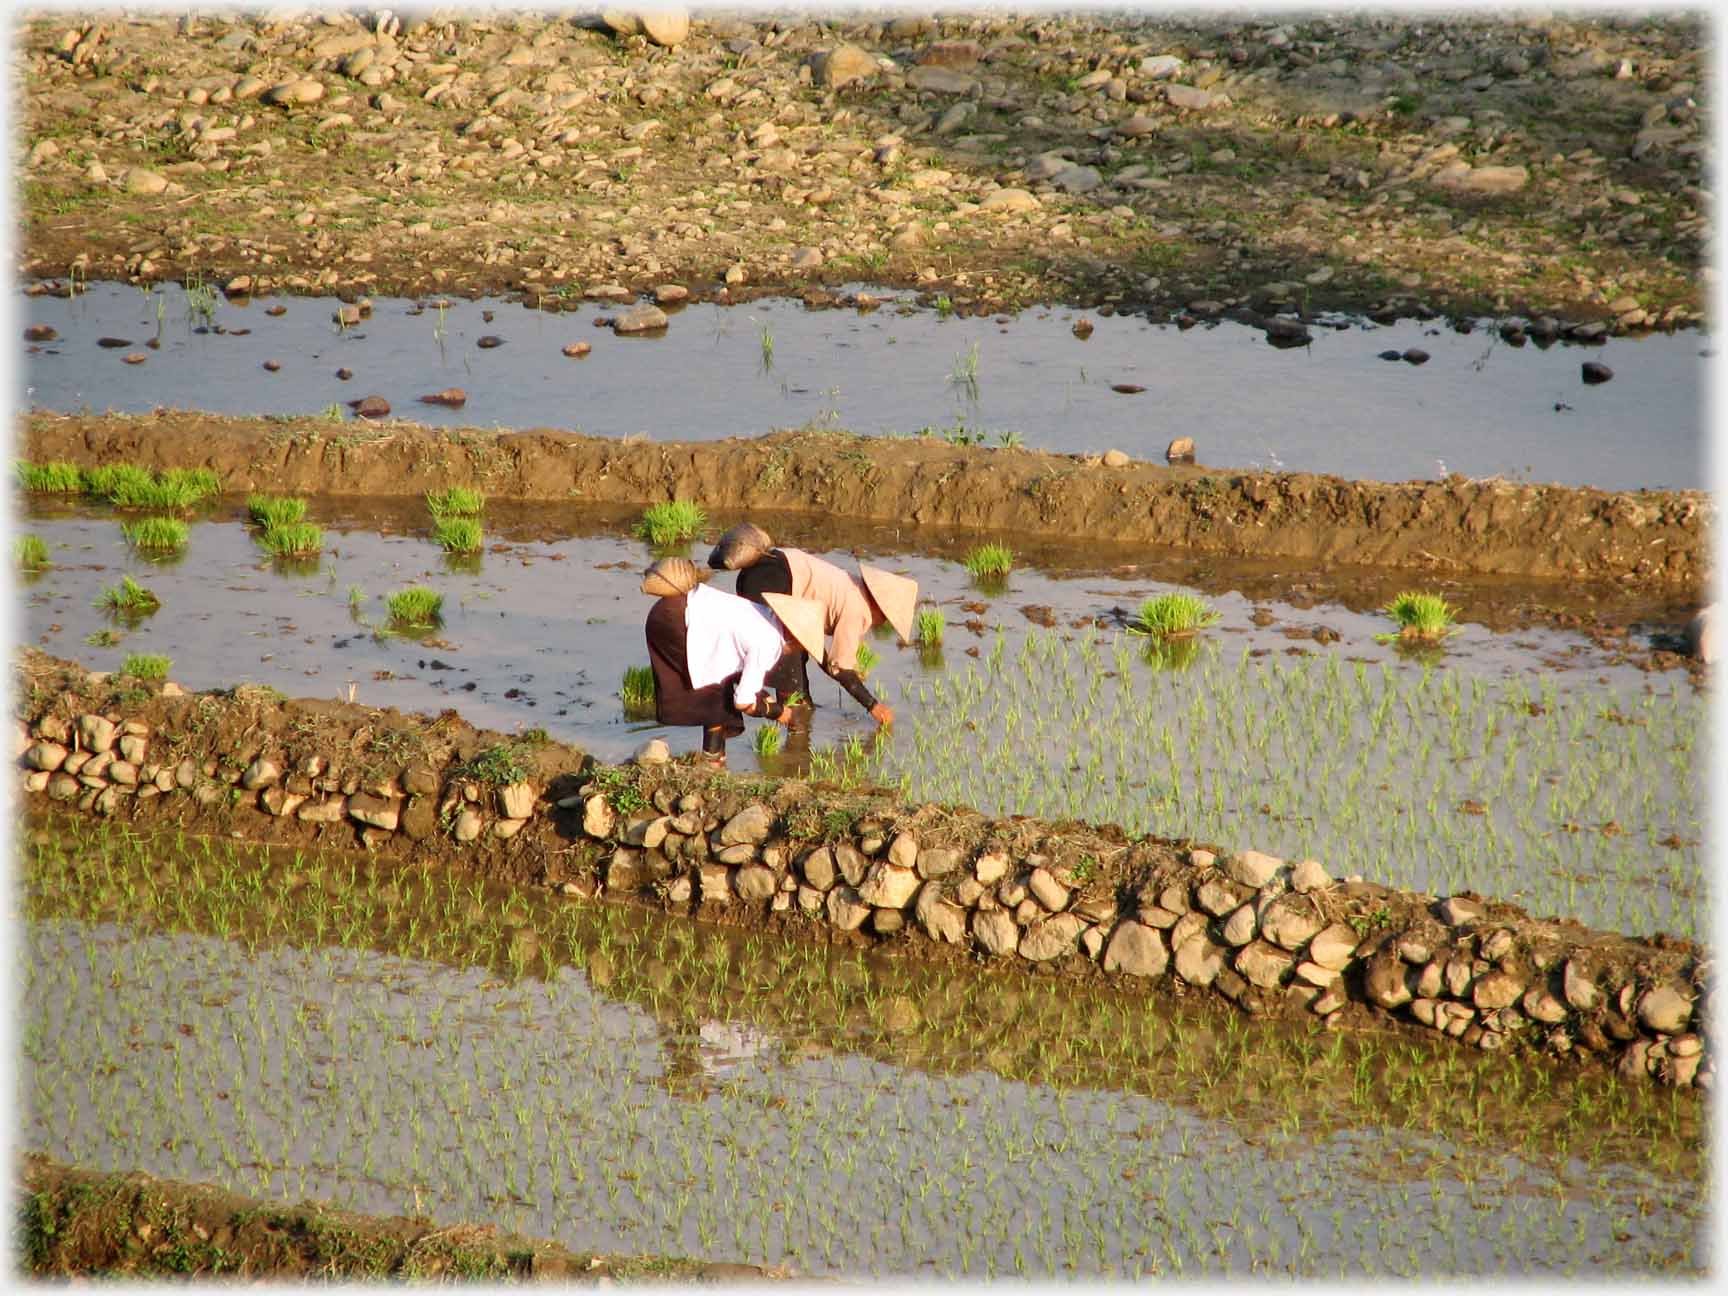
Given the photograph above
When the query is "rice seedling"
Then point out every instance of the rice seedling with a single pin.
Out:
(128, 598)
(49, 478)
(129, 486)
(929, 626)
(638, 691)
(146, 666)
(669, 523)
(415, 607)
(157, 533)
(293, 539)
(767, 740)
(30, 552)
(1171, 614)
(275, 510)
(990, 564)
(1419, 616)
(456, 501)
(767, 340)
(461, 535)
(868, 659)
(964, 374)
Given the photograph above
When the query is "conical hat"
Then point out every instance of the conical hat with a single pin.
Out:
(742, 546)
(802, 618)
(897, 596)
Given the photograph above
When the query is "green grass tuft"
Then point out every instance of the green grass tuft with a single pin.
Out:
(868, 659)
(275, 510)
(1171, 614)
(146, 666)
(990, 560)
(293, 539)
(50, 478)
(457, 534)
(159, 533)
(415, 607)
(128, 598)
(638, 691)
(671, 522)
(929, 627)
(767, 740)
(1419, 616)
(30, 552)
(458, 501)
(129, 486)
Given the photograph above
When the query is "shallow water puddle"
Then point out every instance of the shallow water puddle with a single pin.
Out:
(1477, 406)
(666, 1089)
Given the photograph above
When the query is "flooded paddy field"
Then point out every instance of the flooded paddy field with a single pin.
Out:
(1476, 405)
(424, 1043)
(1520, 760)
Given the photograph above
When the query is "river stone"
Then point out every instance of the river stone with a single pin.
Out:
(653, 752)
(1289, 923)
(335, 810)
(1315, 975)
(1047, 891)
(1137, 950)
(1175, 898)
(1456, 911)
(1576, 985)
(990, 867)
(749, 826)
(1217, 897)
(846, 910)
(1193, 99)
(598, 818)
(1663, 1008)
(640, 318)
(1051, 938)
(1252, 868)
(1077, 179)
(818, 868)
(1385, 982)
(1199, 960)
(1240, 927)
(63, 787)
(107, 801)
(1264, 965)
(995, 931)
(754, 882)
(888, 886)
(810, 899)
(1541, 1006)
(1156, 916)
(132, 748)
(1463, 178)
(1310, 875)
(260, 773)
(123, 772)
(144, 182)
(36, 780)
(716, 884)
(304, 91)
(1187, 925)
(1496, 990)
(1116, 459)
(940, 80)
(185, 774)
(374, 811)
(516, 800)
(1137, 126)
(1010, 200)
(45, 756)
(885, 922)
(842, 66)
(742, 853)
(937, 861)
(417, 780)
(902, 852)
(279, 801)
(95, 733)
(851, 862)
(940, 920)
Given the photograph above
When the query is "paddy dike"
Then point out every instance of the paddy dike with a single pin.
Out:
(858, 867)
(1455, 527)
(83, 1222)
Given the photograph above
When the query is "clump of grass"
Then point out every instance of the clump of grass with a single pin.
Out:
(293, 539)
(111, 480)
(638, 690)
(30, 552)
(129, 486)
(1171, 614)
(128, 598)
(415, 607)
(458, 501)
(1419, 616)
(160, 533)
(146, 666)
(671, 522)
(990, 561)
(767, 740)
(929, 627)
(275, 510)
(50, 478)
(868, 659)
(457, 534)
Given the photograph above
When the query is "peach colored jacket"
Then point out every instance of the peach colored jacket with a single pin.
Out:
(846, 606)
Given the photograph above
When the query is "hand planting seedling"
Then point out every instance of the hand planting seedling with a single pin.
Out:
(415, 608)
(270, 511)
(457, 501)
(670, 523)
(458, 535)
(1423, 617)
(1171, 614)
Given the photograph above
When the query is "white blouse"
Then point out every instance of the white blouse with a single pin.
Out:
(724, 633)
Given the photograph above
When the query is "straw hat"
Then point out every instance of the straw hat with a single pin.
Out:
(669, 576)
(897, 596)
(803, 619)
(740, 547)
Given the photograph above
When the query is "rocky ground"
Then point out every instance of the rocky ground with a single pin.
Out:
(1537, 164)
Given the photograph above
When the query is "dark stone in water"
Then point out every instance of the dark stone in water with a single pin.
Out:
(114, 343)
(1391, 355)
(486, 315)
(1128, 389)
(276, 310)
(1286, 333)
(1595, 371)
(272, 365)
(246, 332)
(451, 396)
(40, 333)
(370, 407)
(489, 341)
(1415, 356)
(344, 374)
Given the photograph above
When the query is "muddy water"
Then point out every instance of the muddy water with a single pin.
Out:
(1477, 406)
(392, 1084)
